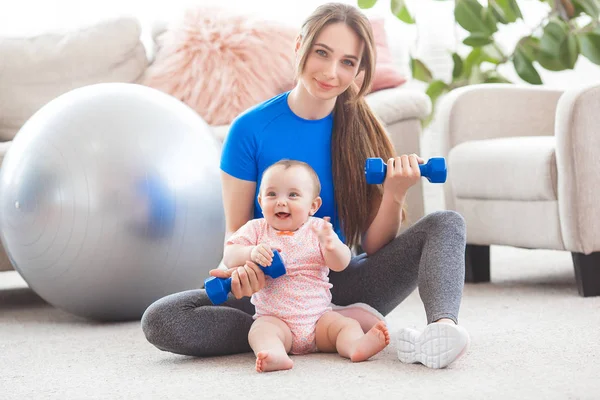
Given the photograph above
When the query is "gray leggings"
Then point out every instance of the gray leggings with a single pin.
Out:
(430, 255)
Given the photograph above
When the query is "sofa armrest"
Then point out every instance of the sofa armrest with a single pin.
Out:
(489, 111)
(5, 264)
(398, 104)
(578, 162)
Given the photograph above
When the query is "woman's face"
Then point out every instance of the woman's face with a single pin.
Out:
(332, 62)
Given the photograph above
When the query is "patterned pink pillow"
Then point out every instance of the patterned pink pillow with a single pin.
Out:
(221, 64)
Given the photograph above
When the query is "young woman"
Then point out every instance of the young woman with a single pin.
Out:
(318, 122)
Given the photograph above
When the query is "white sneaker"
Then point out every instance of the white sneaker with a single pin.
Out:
(436, 347)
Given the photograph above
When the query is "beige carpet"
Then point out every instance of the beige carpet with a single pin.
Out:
(533, 337)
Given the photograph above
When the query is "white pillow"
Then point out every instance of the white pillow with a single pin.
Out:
(35, 70)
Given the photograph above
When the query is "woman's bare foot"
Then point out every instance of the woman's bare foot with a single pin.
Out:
(375, 340)
(270, 360)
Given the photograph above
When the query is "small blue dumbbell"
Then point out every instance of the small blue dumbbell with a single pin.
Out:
(217, 289)
(435, 170)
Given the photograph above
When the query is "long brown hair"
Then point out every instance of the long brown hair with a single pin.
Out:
(357, 133)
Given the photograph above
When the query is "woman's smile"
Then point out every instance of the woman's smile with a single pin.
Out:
(324, 86)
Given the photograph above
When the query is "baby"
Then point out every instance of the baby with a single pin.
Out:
(293, 313)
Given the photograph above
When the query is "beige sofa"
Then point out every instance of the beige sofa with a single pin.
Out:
(44, 67)
(524, 171)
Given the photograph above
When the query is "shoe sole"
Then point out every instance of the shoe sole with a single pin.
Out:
(436, 347)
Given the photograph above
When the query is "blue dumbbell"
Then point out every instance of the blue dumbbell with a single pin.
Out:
(217, 289)
(435, 170)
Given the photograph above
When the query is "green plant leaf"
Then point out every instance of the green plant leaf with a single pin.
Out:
(506, 11)
(493, 76)
(514, 6)
(525, 68)
(590, 46)
(530, 46)
(554, 34)
(474, 58)
(420, 71)
(498, 13)
(569, 52)
(436, 89)
(550, 61)
(477, 40)
(476, 75)
(558, 48)
(457, 70)
(490, 20)
(471, 16)
(492, 54)
(399, 9)
(590, 7)
(479, 55)
(366, 3)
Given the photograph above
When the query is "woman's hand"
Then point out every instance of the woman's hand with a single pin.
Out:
(326, 234)
(402, 173)
(245, 280)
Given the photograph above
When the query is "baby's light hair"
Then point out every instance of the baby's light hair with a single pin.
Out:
(286, 164)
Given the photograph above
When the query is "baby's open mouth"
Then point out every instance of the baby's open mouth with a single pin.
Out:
(282, 215)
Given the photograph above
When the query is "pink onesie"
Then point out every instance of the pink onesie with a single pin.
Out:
(301, 296)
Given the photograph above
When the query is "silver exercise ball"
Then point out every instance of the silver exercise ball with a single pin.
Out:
(110, 199)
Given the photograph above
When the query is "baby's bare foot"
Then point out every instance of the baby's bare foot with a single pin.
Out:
(272, 361)
(375, 340)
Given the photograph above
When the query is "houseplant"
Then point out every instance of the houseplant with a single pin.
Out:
(571, 28)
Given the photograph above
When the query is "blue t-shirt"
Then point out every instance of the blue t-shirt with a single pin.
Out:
(269, 132)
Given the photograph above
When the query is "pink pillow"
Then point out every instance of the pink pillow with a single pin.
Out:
(221, 64)
(386, 74)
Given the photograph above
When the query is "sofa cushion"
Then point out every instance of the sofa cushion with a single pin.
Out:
(220, 131)
(35, 70)
(397, 104)
(516, 168)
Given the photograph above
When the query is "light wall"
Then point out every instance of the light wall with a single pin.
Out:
(34, 17)
(436, 33)
(29, 17)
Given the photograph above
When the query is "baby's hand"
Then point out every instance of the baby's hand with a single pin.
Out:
(326, 234)
(262, 254)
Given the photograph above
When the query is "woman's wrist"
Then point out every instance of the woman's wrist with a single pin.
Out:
(390, 199)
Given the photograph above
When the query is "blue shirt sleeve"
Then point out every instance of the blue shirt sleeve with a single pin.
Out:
(238, 157)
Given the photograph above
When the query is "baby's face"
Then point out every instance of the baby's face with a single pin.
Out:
(287, 197)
